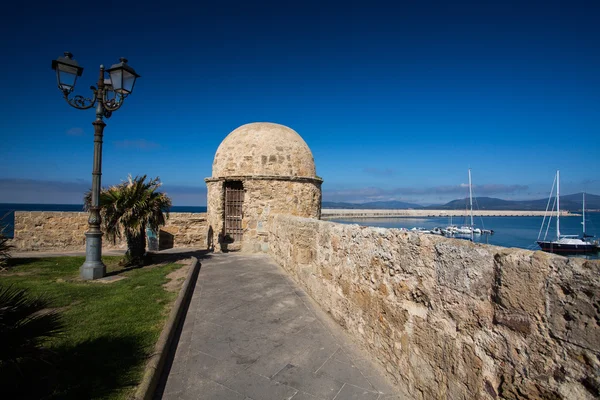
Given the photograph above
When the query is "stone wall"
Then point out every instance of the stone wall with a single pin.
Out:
(262, 197)
(214, 211)
(450, 319)
(47, 231)
(54, 231)
(186, 230)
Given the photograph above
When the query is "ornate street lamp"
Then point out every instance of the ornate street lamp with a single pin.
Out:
(107, 97)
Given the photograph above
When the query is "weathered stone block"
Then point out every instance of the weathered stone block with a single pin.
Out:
(520, 281)
(574, 312)
(453, 319)
(518, 322)
(465, 269)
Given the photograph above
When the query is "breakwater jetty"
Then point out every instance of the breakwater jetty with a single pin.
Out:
(332, 213)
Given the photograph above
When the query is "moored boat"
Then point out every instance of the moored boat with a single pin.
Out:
(466, 229)
(566, 244)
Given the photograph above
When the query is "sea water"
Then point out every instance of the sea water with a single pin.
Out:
(521, 232)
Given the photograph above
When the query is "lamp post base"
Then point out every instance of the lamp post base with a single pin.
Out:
(93, 267)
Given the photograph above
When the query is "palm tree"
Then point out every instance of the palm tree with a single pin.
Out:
(128, 209)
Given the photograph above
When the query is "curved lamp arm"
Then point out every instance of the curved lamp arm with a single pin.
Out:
(114, 104)
(80, 102)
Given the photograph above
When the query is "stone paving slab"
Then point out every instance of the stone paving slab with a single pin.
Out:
(251, 333)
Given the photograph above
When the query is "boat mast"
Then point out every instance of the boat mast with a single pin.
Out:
(583, 222)
(471, 203)
(470, 198)
(557, 204)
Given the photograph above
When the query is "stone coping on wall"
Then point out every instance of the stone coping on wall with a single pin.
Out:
(265, 178)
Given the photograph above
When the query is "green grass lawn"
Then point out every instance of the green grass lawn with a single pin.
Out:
(110, 329)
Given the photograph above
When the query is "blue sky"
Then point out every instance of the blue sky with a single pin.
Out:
(396, 99)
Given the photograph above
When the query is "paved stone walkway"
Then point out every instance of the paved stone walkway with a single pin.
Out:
(252, 333)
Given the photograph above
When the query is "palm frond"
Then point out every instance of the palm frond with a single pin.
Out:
(25, 322)
(131, 206)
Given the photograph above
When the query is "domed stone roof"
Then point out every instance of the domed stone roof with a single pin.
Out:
(263, 149)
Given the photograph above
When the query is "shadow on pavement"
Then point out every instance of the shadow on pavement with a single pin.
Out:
(174, 256)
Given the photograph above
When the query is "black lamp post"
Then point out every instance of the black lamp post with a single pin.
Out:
(108, 97)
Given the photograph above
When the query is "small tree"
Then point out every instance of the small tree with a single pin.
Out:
(128, 209)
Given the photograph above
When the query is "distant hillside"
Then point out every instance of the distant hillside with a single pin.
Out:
(592, 201)
(481, 203)
(571, 202)
(374, 205)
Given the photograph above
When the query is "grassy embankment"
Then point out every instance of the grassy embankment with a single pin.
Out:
(110, 329)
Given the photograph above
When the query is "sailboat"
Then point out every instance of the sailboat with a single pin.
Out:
(450, 229)
(467, 229)
(565, 244)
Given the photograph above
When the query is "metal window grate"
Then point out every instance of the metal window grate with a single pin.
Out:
(234, 201)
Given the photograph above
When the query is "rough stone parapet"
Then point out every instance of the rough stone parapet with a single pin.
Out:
(54, 230)
(449, 318)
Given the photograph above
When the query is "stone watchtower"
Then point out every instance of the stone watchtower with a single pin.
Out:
(259, 169)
